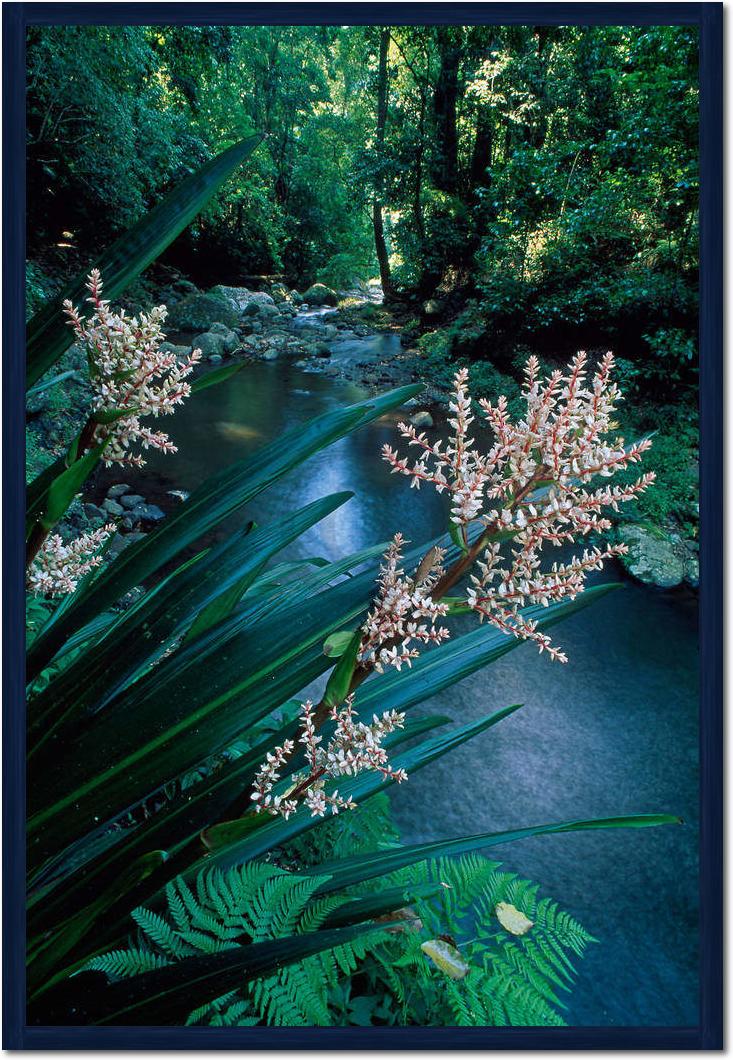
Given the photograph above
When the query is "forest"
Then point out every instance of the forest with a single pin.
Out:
(473, 249)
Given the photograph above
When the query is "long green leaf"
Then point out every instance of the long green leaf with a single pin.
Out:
(350, 871)
(96, 677)
(49, 335)
(166, 996)
(441, 667)
(207, 506)
(61, 488)
(233, 676)
(279, 831)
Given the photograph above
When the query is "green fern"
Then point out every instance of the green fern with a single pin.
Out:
(511, 980)
(383, 977)
(248, 904)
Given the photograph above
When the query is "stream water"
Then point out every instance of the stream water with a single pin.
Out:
(613, 732)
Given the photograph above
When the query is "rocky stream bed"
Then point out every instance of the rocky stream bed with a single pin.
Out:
(315, 334)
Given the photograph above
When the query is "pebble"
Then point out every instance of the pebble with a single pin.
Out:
(421, 419)
(113, 507)
(91, 511)
(132, 500)
(147, 513)
(116, 491)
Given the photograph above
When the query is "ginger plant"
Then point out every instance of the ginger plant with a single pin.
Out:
(528, 491)
(132, 377)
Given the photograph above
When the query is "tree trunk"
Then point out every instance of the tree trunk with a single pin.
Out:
(379, 240)
(444, 108)
(417, 198)
(482, 146)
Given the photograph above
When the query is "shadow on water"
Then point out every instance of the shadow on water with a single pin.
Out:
(613, 732)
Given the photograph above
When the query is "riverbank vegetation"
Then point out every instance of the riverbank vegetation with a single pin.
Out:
(206, 843)
(517, 189)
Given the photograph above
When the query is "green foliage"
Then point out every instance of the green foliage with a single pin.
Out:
(242, 907)
(505, 979)
(381, 978)
(146, 725)
(142, 709)
(674, 496)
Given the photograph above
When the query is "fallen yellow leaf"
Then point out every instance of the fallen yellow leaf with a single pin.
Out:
(512, 920)
(446, 957)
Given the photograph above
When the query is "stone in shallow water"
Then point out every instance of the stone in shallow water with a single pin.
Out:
(131, 500)
(122, 541)
(147, 513)
(653, 560)
(116, 491)
(421, 419)
(319, 294)
(212, 344)
(91, 511)
(113, 507)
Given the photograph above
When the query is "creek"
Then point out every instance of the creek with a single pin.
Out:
(614, 731)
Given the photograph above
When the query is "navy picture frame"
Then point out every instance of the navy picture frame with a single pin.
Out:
(708, 1034)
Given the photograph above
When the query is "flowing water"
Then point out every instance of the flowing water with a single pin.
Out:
(613, 732)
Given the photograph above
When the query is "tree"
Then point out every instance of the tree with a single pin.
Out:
(379, 240)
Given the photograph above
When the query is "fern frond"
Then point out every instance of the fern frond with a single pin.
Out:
(160, 932)
(123, 964)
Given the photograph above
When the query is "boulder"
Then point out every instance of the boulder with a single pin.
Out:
(131, 500)
(692, 572)
(330, 332)
(421, 419)
(270, 355)
(179, 352)
(321, 349)
(652, 559)
(212, 345)
(231, 339)
(147, 513)
(197, 312)
(295, 298)
(94, 514)
(280, 293)
(319, 294)
(116, 491)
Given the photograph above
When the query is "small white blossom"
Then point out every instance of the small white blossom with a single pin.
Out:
(59, 565)
(536, 473)
(393, 625)
(128, 369)
(353, 748)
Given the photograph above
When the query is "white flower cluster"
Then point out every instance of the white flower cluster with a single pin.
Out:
(59, 565)
(129, 370)
(536, 470)
(353, 748)
(394, 624)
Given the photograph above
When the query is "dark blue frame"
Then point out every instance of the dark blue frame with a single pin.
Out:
(709, 1033)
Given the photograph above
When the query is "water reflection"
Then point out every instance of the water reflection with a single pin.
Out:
(614, 731)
